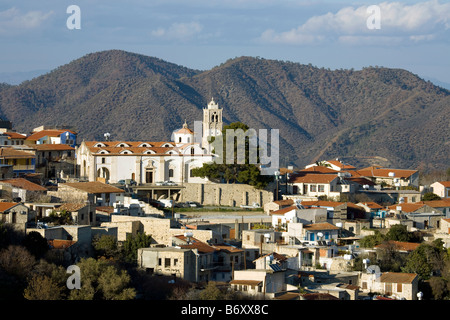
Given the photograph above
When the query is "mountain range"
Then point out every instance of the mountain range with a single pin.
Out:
(374, 116)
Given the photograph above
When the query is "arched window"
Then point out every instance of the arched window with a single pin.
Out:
(170, 173)
(192, 150)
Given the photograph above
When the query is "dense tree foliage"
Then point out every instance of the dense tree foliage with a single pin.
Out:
(241, 170)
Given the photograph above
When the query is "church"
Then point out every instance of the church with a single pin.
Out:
(148, 162)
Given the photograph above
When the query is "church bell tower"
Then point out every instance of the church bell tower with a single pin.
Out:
(212, 123)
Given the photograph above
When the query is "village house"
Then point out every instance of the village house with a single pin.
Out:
(441, 188)
(11, 138)
(170, 261)
(205, 255)
(96, 193)
(55, 161)
(23, 161)
(48, 135)
(22, 189)
(390, 177)
(260, 283)
(79, 212)
(401, 286)
(15, 214)
(294, 214)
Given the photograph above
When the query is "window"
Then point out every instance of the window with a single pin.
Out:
(175, 262)
(312, 188)
(399, 287)
(179, 139)
(321, 188)
(170, 173)
(167, 262)
(159, 262)
(103, 160)
(192, 150)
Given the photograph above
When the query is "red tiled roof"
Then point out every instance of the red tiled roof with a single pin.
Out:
(319, 169)
(23, 184)
(341, 165)
(72, 207)
(313, 178)
(44, 133)
(4, 206)
(321, 203)
(12, 153)
(60, 244)
(400, 245)
(397, 277)
(445, 183)
(93, 187)
(284, 210)
(372, 205)
(407, 207)
(15, 135)
(320, 226)
(52, 147)
(285, 202)
(384, 172)
(202, 247)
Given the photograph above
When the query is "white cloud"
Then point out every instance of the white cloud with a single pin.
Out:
(13, 21)
(178, 31)
(423, 21)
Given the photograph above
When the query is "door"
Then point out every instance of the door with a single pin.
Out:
(149, 176)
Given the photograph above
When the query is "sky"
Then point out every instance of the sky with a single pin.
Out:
(200, 34)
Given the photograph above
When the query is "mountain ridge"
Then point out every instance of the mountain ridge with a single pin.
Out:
(376, 112)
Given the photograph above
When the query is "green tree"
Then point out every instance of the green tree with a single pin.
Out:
(35, 244)
(211, 292)
(132, 244)
(106, 246)
(430, 196)
(372, 240)
(102, 280)
(235, 172)
(398, 232)
(426, 260)
(42, 287)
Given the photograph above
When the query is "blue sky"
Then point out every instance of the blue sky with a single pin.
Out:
(201, 34)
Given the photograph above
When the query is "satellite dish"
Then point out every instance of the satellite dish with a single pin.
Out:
(188, 234)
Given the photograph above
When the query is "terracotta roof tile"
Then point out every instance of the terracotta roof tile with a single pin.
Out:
(320, 226)
(23, 184)
(4, 206)
(93, 187)
(384, 172)
(397, 277)
(12, 153)
(313, 178)
(72, 207)
(400, 245)
(50, 133)
(445, 183)
(52, 147)
(284, 210)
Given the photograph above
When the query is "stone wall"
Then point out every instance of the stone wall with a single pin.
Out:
(233, 195)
